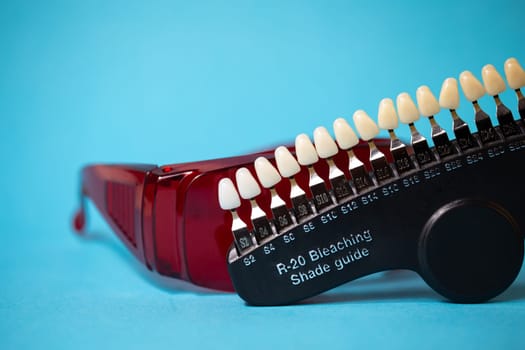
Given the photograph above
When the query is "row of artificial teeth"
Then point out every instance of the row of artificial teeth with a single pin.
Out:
(325, 147)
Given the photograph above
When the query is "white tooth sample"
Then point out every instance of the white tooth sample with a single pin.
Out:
(228, 196)
(471, 86)
(324, 143)
(386, 115)
(305, 150)
(449, 95)
(365, 126)
(514, 73)
(286, 163)
(406, 108)
(246, 183)
(427, 102)
(494, 83)
(266, 172)
(344, 134)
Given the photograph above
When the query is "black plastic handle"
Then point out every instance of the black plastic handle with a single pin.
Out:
(458, 222)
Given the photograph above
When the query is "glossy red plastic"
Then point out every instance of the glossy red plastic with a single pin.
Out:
(169, 216)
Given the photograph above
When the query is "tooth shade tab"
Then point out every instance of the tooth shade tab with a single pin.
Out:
(365, 126)
(386, 115)
(324, 143)
(344, 134)
(449, 95)
(514, 73)
(494, 83)
(406, 108)
(286, 162)
(228, 195)
(266, 172)
(471, 86)
(427, 102)
(305, 150)
(246, 183)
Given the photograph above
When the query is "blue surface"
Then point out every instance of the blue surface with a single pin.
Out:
(167, 82)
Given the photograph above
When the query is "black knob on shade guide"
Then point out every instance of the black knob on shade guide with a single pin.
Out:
(470, 250)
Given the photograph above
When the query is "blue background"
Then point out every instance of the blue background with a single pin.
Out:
(170, 81)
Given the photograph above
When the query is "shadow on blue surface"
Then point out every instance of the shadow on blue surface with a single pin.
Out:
(380, 287)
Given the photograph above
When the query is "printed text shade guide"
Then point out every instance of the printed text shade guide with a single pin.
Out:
(396, 223)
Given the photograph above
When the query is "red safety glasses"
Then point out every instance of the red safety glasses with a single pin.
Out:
(169, 216)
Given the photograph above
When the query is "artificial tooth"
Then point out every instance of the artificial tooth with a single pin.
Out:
(289, 167)
(408, 114)
(326, 149)
(471, 86)
(449, 95)
(388, 120)
(429, 107)
(228, 195)
(269, 177)
(346, 139)
(249, 189)
(492, 80)
(307, 156)
(406, 109)
(229, 200)
(449, 99)
(368, 129)
(473, 91)
(495, 85)
(516, 79)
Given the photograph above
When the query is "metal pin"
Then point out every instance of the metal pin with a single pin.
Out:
(327, 149)
(229, 200)
(515, 75)
(249, 189)
(506, 120)
(347, 139)
(288, 168)
(399, 152)
(495, 85)
(269, 177)
(449, 99)
(307, 156)
(387, 120)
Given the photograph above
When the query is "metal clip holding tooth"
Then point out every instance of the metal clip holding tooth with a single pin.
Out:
(327, 148)
(421, 149)
(473, 91)
(288, 168)
(229, 200)
(368, 130)
(515, 75)
(464, 137)
(408, 114)
(269, 177)
(346, 139)
(387, 120)
(242, 237)
(381, 166)
(494, 85)
(307, 156)
(449, 99)
(249, 189)
(360, 177)
(340, 185)
(261, 225)
(398, 149)
(429, 107)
